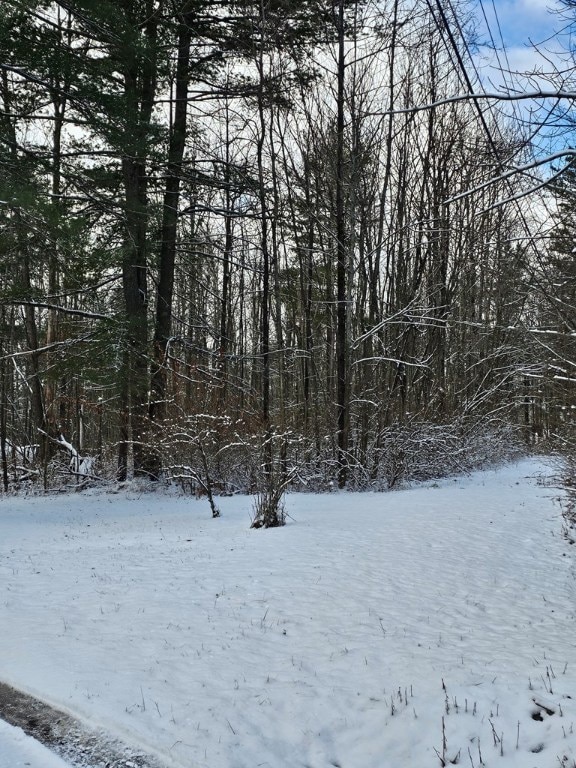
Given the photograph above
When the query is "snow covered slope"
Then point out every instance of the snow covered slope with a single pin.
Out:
(396, 630)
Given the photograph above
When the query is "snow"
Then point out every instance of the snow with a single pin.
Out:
(373, 631)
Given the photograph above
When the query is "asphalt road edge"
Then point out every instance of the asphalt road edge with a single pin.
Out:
(69, 738)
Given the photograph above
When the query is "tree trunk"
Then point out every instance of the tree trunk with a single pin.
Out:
(341, 266)
(169, 228)
(140, 77)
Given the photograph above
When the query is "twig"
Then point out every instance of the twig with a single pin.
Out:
(442, 761)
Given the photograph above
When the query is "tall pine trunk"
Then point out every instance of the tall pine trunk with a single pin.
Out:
(169, 227)
(341, 265)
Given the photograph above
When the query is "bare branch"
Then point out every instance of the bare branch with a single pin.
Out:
(497, 96)
(56, 307)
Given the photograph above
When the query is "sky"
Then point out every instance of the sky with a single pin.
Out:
(527, 27)
(531, 39)
(524, 20)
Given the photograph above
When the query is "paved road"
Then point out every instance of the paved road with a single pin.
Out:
(17, 750)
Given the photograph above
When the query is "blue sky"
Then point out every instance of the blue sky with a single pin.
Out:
(535, 37)
(524, 24)
(522, 20)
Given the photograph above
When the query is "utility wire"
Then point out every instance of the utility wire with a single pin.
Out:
(495, 150)
(530, 239)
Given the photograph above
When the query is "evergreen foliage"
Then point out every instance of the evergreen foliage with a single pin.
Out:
(213, 210)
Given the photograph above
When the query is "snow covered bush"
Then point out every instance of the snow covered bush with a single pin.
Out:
(424, 451)
(213, 455)
(269, 509)
(227, 455)
(208, 454)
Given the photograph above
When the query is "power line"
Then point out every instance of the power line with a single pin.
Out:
(531, 242)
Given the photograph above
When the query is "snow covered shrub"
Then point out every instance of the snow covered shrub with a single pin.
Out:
(275, 477)
(568, 470)
(269, 509)
(565, 475)
(195, 450)
(424, 451)
(207, 454)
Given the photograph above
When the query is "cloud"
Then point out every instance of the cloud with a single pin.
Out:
(534, 58)
(522, 68)
(536, 8)
(533, 52)
(522, 21)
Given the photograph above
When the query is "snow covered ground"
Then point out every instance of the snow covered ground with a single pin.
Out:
(394, 630)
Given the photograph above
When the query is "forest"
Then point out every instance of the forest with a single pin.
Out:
(248, 244)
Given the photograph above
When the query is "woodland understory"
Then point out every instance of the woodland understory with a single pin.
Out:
(251, 245)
